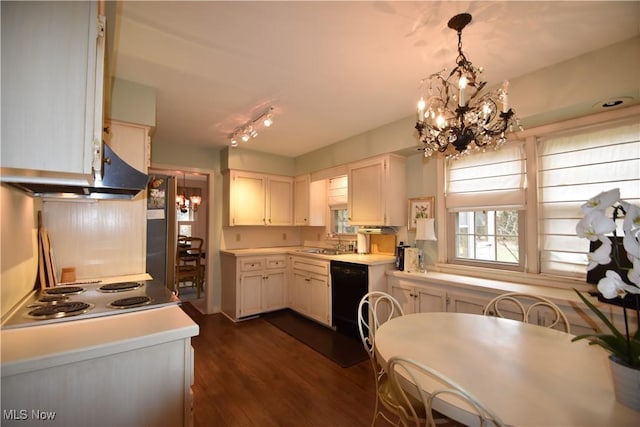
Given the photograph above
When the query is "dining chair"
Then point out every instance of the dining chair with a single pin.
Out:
(189, 263)
(527, 308)
(406, 377)
(375, 309)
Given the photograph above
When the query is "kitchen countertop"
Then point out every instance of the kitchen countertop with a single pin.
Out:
(40, 347)
(368, 259)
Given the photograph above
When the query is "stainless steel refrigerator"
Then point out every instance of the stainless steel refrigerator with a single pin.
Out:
(162, 232)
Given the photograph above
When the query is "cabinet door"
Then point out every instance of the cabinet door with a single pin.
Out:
(428, 299)
(279, 201)
(52, 74)
(273, 289)
(130, 142)
(301, 298)
(467, 302)
(301, 190)
(320, 291)
(250, 293)
(247, 198)
(366, 193)
(404, 296)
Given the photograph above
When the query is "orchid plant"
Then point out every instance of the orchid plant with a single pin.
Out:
(625, 348)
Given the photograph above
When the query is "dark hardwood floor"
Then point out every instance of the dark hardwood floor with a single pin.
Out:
(252, 374)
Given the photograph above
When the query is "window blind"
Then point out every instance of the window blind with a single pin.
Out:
(493, 179)
(572, 168)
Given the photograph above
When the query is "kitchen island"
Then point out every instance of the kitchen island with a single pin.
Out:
(130, 369)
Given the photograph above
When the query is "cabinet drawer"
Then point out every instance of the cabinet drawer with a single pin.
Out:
(252, 264)
(276, 262)
(311, 266)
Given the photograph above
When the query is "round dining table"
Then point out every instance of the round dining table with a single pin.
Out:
(527, 374)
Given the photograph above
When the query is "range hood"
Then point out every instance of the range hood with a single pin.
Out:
(376, 230)
(119, 181)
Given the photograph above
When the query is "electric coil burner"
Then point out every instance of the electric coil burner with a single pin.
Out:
(120, 287)
(130, 302)
(63, 290)
(51, 299)
(61, 309)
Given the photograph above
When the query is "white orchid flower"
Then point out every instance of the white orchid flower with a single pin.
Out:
(595, 225)
(612, 286)
(602, 201)
(602, 255)
(634, 273)
(631, 227)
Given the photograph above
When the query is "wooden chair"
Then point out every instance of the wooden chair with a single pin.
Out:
(190, 263)
(526, 308)
(375, 309)
(406, 375)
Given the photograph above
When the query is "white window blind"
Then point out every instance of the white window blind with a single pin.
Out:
(493, 179)
(572, 168)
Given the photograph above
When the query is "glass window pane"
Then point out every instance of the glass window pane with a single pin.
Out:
(488, 236)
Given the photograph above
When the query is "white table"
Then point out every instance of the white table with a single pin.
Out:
(529, 375)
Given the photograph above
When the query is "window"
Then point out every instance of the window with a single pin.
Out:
(340, 222)
(485, 199)
(488, 236)
(569, 162)
(573, 167)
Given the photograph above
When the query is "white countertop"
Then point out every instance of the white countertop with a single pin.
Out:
(368, 259)
(39, 347)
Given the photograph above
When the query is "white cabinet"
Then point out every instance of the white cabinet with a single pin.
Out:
(377, 191)
(310, 288)
(131, 142)
(414, 298)
(253, 285)
(52, 86)
(138, 362)
(417, 297)
(310, 201)
(257, 199)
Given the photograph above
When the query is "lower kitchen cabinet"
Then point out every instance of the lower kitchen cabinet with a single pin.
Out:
(129, 369)
(310, 292)
(417, 297)
(253, 285)
(445, 292)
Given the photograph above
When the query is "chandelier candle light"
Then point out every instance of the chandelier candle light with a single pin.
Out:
(453, 117)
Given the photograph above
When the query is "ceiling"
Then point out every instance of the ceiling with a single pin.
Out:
(333, 69)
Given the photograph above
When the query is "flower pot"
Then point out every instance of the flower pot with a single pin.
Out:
(626, 384)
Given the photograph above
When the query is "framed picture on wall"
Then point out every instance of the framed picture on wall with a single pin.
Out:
(419, 207)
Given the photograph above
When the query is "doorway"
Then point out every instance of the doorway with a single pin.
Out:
(187, 219)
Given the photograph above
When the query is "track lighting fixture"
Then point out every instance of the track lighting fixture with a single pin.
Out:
(250, 129)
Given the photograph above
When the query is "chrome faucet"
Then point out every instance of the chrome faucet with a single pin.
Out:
(340, 246)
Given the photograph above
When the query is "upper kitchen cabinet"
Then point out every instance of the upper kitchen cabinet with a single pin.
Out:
(131, 142)
(257, 199)
(378, 191)
(52, 88)
(310, 201)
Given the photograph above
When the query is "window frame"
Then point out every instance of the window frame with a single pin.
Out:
(497, 265)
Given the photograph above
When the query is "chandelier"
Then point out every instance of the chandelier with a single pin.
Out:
(250, 129)
(453, 117)
(187, 199)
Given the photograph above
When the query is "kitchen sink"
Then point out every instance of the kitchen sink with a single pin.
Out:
(320, 251)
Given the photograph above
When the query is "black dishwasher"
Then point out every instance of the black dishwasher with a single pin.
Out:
(349, 283)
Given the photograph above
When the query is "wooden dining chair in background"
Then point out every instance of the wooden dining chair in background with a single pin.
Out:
(190, 263)
(527, 308)
(375, 309)
(405, 377)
